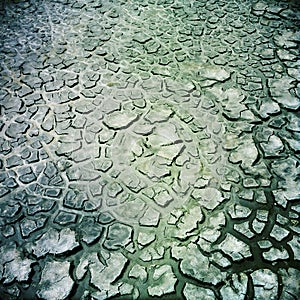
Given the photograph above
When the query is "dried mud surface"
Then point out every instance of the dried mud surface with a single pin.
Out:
(149, 149)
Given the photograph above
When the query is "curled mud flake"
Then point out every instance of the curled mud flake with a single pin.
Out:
(120, 119)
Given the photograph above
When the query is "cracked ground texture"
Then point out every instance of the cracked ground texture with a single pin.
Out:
(149, 149)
